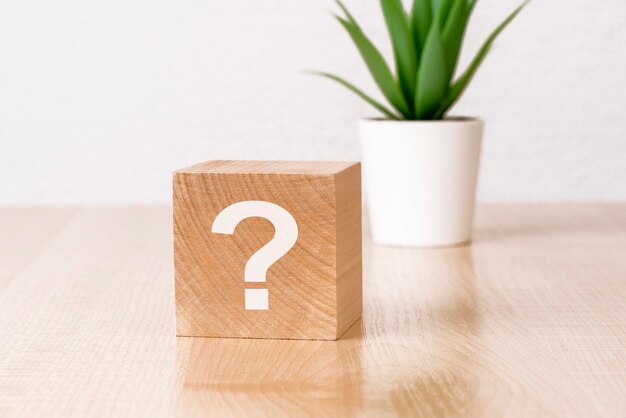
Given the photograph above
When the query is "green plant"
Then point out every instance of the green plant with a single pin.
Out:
(426, 46)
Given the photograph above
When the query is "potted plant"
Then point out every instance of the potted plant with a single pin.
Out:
(420, 166)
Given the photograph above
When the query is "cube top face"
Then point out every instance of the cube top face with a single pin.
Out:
(306, 285)
(310, 168)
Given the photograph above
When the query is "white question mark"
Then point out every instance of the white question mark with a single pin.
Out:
(285, 237)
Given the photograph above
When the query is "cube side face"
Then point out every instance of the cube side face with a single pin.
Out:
(209, 267)
(349, 248)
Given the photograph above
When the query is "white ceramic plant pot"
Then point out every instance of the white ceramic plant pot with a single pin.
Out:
(420, 180)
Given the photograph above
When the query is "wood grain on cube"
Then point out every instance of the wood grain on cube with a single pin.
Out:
(314, 290)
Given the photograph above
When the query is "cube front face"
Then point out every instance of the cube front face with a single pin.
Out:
(220, 288)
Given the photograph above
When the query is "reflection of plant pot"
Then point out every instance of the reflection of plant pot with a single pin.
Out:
(420, 179)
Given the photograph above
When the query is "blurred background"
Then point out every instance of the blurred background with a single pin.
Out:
(100, 101)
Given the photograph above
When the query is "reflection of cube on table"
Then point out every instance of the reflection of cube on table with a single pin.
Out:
(312, 292)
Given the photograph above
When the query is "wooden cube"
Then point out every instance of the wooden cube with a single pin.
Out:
(225, 212)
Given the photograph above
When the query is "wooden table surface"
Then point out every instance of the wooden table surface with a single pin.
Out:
(528, 321)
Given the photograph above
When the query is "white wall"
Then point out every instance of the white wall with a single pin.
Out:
(101, 100)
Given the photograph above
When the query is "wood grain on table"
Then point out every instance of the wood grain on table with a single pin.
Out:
(528, 321)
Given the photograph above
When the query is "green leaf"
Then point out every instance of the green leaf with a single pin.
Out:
(441, 9)
(471, 5)
(358, 92)
(431, 78)
(461, 84)
(453, 33)
(377, 66)
(421, 17)
(347, 12)
(403, 46)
